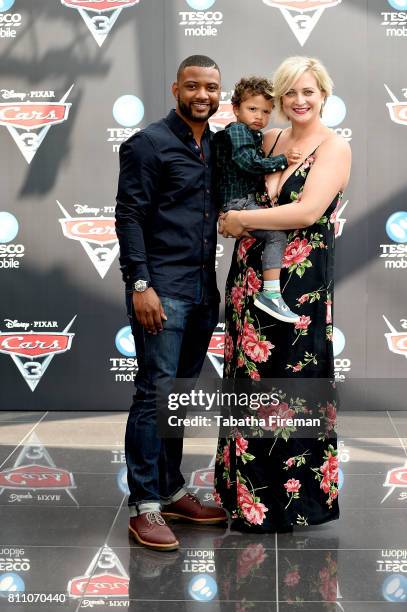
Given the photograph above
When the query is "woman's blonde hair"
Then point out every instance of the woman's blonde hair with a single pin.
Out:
(291, 70)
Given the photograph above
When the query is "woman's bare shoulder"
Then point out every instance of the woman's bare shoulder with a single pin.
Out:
(336, 144)
(270, 137)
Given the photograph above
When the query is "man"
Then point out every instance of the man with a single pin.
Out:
(166, 224)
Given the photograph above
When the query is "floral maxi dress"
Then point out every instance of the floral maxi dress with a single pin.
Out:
(273, 483)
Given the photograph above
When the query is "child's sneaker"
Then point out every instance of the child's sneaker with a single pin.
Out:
(276, 307)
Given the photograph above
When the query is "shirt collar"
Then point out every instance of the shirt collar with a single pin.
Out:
(256, 134)
(180, 127)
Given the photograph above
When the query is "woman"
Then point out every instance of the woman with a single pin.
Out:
(273, 483)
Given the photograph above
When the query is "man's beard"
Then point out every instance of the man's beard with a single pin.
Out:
(188, 112)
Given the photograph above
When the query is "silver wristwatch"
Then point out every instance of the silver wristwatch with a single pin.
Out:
(140, 286)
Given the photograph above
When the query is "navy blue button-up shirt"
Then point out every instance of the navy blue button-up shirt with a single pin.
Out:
(166, 215)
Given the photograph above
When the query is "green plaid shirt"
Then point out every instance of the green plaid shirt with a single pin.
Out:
(240, 162)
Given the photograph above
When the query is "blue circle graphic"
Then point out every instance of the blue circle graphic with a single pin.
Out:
(11, 583)
(396, 227)
(338, 341)
(334, 111)
(5, 5)
(202, 588)
(125, 342)
(128, 110)
(8, 227)
(122, 481)
(399, 5)
(201, 5)
(394, 588)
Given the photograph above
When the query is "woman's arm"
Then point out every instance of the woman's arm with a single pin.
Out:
(328, 175)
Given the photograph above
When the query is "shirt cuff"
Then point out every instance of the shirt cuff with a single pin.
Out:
(137, 272)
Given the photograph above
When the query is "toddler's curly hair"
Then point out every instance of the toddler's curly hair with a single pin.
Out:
(252, 86)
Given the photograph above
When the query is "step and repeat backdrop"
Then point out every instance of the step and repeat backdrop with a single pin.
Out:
(78, 77)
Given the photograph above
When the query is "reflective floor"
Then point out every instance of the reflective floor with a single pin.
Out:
(64, 542)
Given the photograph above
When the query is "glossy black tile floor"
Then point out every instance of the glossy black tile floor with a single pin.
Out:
(64, 542)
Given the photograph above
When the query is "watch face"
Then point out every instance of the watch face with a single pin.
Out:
(140, 285)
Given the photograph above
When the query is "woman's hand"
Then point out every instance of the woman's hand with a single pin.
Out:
(230, 224)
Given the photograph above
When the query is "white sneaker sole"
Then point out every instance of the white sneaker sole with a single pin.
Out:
(274, 314)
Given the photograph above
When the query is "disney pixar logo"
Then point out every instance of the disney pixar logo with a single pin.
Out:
(99, 15)
(96, 234)
(29, 122)
(33, 351)
(302, 15)
(105, 578)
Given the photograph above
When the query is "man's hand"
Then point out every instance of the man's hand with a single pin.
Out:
(149, 311)
(293, 156)
(230, 225)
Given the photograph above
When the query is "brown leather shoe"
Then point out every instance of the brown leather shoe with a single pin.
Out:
(190, 509)
(150, 530)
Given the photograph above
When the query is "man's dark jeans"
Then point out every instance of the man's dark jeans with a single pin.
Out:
(153, 464)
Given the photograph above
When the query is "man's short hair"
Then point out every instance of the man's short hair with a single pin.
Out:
(203, 61)
(252, 86)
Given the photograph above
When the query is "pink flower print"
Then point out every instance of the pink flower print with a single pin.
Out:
(254, 375)
(228, 347)
(328, 304)
(292, 578)
(243, 494)
(290, 462)
(251, 557)
(254, 512)
(241, 445)
(226, 456)
(297, 368)
(258, 350)
(304, 298)
(308, 162)
(244, 246)
(296, 252)
(237, 296)
(240, 362)
(217, 498)
(253, 282)
(303, 323)
(292, 485)
(281, 410)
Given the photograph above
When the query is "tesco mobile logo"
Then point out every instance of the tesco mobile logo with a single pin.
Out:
(5, 5)
(11, 583)
(125, 342)
(128, 110)
(394, 588)
(8, 227)
(200, 5)
(396, 227)
(399, 5)
(334, 111)
(338, 341)
(202, 588)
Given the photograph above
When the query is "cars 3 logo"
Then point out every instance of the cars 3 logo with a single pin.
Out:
(105, 578)
(99, 15)
(29, 122)
(97, 235)
(32, 351)
(302, 15)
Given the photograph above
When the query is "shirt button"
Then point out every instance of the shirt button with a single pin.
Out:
(206, 215)
(205, 241)
(282, 167)
(203, 266)
(208, 191)
(274, 169)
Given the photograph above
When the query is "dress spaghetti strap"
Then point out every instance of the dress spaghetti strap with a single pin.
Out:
(275, 142)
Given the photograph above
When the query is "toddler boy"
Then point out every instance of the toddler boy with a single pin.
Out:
(240, 167)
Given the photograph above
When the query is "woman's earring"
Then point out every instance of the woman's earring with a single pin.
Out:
(321, 112)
